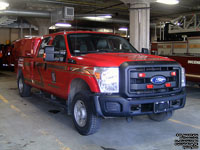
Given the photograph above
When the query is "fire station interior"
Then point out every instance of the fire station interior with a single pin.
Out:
(168, 28)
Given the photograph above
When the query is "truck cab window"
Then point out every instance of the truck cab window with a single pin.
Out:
(44, 43)
(60, 47)
(84, 43)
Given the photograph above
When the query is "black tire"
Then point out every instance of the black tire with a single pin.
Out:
(161, 116)
(92, 123)
(24, 89)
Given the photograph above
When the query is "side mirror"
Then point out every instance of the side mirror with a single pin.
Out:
(145, 51)
(49, 53)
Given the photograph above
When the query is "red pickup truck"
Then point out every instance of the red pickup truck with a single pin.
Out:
(101, 75)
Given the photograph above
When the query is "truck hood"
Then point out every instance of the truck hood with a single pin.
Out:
(115, 59)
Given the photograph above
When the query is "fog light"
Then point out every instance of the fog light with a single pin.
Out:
(113, 107)
(176, 103)
(135, 108)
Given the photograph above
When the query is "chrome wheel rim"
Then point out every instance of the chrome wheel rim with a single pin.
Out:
(80, 113)
(20, 85)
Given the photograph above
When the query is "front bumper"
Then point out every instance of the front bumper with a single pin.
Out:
(117, 106)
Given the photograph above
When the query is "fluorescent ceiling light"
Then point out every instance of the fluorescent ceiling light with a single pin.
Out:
(106, 16)
(123, 29)
(168, 2)
(3, 5)
(63, 25)
(103, 17)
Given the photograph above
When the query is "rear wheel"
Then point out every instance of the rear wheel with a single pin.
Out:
(85, 121)
(24, 89)
(161, 116)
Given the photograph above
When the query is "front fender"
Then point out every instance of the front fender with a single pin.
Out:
(89, 79)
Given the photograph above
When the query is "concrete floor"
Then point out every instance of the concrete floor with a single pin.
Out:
(37, 123)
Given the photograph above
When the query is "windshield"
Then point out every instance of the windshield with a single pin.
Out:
(84, 43)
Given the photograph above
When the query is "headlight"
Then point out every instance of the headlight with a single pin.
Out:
(183, 81)
(108, 79)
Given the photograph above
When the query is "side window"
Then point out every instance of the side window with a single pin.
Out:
(59, 45)
(44, 43)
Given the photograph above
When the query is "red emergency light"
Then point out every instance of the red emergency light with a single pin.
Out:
(173, 73)
(149, 86)
(142, 75)
(168, 84)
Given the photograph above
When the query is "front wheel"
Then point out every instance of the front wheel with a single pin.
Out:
(24, 89)
(85, 121)
(161, 116)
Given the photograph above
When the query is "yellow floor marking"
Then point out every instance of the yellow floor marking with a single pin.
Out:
(185, 124)
(44, 132)
(62, 146)
(23, 114)
(15, 108)
(18, 110)
(3, 99)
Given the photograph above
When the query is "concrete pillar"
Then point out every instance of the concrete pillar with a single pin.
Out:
(153, 31)
(42, 24)
(139, 23)
(21, 30)
(30, 30)
(43, 30)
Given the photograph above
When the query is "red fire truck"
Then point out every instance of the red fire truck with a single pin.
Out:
(101, 75)
(24, 48)
(7, 56)
(1, 55)
(187, 53)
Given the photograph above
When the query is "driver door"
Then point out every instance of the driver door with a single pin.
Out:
(55, 72)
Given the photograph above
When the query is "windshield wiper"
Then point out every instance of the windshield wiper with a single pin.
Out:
(123, 51)
(104, 50)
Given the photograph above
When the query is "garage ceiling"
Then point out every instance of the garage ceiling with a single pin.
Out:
(120, 11)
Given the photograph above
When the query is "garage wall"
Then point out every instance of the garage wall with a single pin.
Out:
(4, 35)
(13, 34)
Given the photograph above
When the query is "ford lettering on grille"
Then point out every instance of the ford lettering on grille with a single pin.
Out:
(158, 80)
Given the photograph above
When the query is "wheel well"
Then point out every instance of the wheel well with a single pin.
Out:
(76, 86)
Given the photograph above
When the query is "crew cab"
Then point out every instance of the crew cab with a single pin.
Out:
(101, 75)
